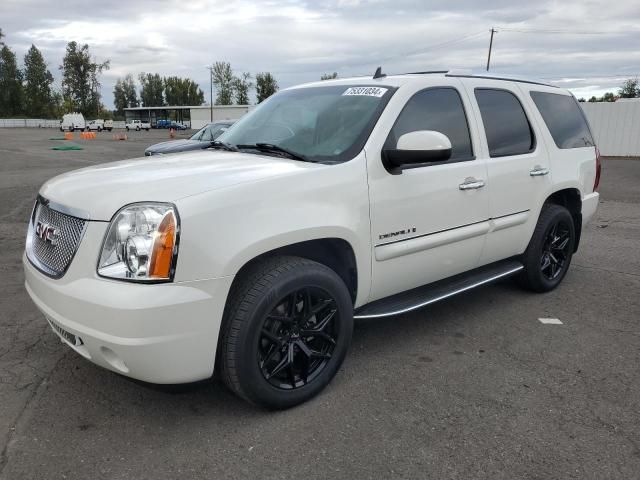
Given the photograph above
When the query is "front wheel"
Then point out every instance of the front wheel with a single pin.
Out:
(549, 253)
(286, 330)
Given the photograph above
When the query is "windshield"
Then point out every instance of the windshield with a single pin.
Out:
(319, 123)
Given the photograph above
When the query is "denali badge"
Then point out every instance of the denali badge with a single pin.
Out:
(48, 233)
(406, 231)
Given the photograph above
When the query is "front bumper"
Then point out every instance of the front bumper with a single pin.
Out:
(164, 333)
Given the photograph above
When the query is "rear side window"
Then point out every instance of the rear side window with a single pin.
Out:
(505, 123)
(439, 109)
(564, 119)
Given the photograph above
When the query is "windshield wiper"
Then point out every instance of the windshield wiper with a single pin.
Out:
(270, 147)
(223, 146)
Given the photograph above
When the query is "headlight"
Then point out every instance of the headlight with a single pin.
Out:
(141, 243)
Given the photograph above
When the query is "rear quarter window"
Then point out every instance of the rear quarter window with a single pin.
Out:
(564, 119)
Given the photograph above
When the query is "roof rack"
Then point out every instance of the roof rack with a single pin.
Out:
(469, 74)
(508, 78)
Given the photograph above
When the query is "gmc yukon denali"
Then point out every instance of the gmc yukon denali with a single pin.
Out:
(331, 201)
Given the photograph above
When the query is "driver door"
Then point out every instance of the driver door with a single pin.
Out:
(426, 224)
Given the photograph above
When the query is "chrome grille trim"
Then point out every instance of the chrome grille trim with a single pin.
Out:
(53, 259)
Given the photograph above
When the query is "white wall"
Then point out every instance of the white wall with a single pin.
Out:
(616, 126)
(201, 116)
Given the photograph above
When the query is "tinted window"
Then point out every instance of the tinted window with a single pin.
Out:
(438, 109)
(564, 119)
(505, 123)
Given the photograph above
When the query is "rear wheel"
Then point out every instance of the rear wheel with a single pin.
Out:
(550, 250)
(286, 331)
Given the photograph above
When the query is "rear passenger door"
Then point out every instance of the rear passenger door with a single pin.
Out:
(519, 176)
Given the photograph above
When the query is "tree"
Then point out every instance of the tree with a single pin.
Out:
(124, 94)
(151, 93)
(608, 97)
(593, 99)
(38, 79)
(11, 94)
(223, 80)
(329, 76)
(266, 86)
(80, 79)
(182, 91)
(629, 89)
(1, 35)
(241, 86)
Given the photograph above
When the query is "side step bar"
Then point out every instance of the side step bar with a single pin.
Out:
(427, 294)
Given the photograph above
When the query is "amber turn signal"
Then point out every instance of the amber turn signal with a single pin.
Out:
(162, 252)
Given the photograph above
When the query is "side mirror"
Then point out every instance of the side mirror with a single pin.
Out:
(422, 146)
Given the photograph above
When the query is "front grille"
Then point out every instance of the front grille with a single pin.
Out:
(53, 239)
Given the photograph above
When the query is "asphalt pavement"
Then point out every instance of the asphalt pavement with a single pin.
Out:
(473, 387)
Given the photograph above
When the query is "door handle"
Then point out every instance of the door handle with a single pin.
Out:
(538, 171)
(471, 183)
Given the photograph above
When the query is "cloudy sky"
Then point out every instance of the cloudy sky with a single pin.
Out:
(587, 46)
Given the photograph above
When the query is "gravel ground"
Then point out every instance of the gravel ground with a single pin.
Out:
(472, 387)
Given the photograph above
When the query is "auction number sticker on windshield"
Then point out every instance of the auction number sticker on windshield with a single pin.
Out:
(366, 91)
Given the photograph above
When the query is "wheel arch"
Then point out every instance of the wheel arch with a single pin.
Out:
(571, 199)
(333, 252)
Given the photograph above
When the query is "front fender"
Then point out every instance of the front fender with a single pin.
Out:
(222, 230)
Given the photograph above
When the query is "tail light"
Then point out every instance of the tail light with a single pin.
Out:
(598, 170)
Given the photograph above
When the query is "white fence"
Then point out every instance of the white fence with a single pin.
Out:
(38, 123)
(616, 126)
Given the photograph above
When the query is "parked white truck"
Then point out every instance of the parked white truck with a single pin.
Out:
(352, 198)
(72, 121)
(137, 125)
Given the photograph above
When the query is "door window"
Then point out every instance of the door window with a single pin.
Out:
(439, 109)
(505, 123)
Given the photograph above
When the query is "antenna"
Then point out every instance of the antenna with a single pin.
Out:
(379, 73)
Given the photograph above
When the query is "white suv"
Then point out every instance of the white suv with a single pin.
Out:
(353, 198)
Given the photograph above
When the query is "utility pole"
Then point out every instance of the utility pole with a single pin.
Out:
(210, 68)
(493, 30)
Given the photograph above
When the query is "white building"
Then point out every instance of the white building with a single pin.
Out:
(194, 116)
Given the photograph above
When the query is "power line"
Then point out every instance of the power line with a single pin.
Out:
(566, 32)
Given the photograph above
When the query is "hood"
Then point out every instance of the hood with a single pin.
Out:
(102, 190)
(181, 145)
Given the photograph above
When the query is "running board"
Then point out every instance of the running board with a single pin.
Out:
(427, 294)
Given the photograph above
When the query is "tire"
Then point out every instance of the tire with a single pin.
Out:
(251, 363)
(137, 129)
(146, 129)
(548, 255)
(127, 128)
(99, 129)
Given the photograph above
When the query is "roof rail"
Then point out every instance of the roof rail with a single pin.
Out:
(508, 78)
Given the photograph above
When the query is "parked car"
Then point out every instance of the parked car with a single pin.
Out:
(97, 125)
(177, 126)
(137, 125)
(162, 124)
(72, 122)
(199, 140)
(343, 199)
(108, 125)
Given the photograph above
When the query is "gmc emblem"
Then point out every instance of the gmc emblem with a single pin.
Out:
(47, 233)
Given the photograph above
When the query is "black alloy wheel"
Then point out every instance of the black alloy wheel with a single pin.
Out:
(555, 250)
(548, 256)
(286, 330)
(298, 338)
